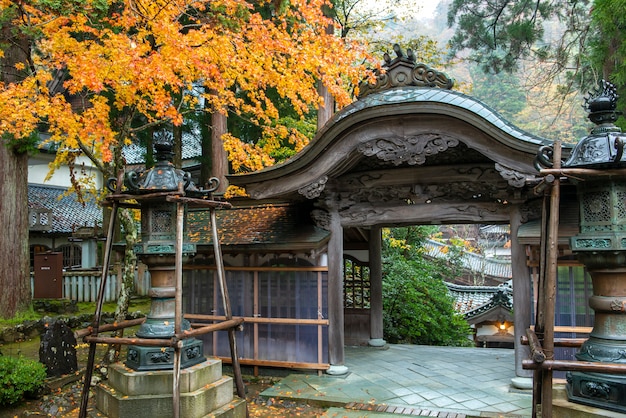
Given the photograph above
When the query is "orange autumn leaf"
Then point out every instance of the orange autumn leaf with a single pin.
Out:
(102, 71)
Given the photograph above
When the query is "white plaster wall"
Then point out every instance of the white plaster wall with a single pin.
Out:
(38, 169)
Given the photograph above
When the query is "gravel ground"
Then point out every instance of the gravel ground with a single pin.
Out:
(64, 401)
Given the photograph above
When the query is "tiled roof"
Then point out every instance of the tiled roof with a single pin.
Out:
(67, 214)
(263, 226)
(135, 153)
(491, 267)
(475, 300)
(437, 95)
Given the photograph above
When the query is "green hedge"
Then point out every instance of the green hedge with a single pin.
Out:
(19, 378)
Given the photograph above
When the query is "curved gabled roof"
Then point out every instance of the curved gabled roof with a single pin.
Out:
(402, 126)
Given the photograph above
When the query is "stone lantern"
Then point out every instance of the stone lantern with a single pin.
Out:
(601, 247)
(157, 250)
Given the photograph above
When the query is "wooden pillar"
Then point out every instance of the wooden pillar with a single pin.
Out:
(336, 352)
(522, 283)
(376, 288)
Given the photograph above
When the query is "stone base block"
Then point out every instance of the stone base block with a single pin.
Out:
(204, 392)
(131, 382)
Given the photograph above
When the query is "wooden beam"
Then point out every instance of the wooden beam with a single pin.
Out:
(257, 320)
(276, 363)
(369, 214)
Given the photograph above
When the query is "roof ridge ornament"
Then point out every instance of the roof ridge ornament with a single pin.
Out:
(403, 71)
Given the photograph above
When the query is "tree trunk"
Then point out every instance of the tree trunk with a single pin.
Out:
(219, 159)
(15, 292)
(14, 254)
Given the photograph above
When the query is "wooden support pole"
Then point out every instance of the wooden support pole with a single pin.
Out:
(162, 342)
(221, 275)
(577, 366)
(109, 327)
(96, 319)
(562, 342)
(144, 342)
(549, 299)
(540, 317)
(178, 305)
(537, 354)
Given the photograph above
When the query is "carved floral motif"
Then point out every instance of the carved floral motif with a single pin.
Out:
(411, 150)
(314, 189)
(321, 218)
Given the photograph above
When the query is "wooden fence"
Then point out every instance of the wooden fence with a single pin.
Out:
(84, 285)
(284, 309)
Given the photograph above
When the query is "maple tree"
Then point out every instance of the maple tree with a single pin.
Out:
(93, 74)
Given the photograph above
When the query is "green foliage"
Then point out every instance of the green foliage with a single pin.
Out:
(500, 91)
(501, 34)
(416, 304)
(19, 378)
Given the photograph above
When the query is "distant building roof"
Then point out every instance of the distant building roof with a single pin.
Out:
(67, 213)
(472, 301)
(488, 266)
(495, 229)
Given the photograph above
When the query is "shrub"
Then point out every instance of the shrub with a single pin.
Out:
(19, 378)
(417, 308)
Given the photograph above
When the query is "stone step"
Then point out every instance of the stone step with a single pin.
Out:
(203, 392)
(235, 409)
